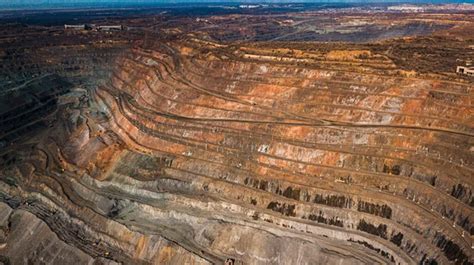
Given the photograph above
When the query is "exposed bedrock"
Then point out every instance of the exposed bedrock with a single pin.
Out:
(196, 153)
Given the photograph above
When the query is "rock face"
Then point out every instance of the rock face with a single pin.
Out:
(29, 235)
(185, 150)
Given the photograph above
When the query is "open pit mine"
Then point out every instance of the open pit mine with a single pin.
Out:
(237, 137)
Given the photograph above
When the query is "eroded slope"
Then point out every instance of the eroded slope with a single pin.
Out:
(184, 150)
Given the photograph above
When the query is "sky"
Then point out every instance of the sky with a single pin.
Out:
(215, 1)
(12, 3)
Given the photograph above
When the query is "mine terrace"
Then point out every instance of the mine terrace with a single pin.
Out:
(237, 134)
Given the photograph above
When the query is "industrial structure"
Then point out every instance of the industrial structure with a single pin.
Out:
(94, 27)
(465, 70)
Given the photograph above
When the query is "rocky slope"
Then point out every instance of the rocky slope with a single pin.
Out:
(189, 151)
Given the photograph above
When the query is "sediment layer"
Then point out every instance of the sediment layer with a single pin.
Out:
(193, 151)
